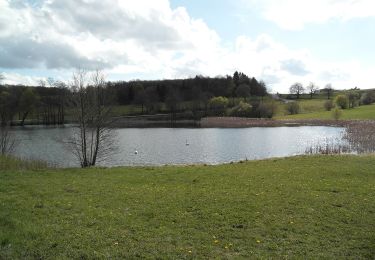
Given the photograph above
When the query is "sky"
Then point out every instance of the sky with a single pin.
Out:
(278, 41)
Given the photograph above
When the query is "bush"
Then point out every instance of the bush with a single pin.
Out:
(218, 103)
(368, 98)
(266, 110)
(353, 97)
(328, 105)
(293, 108)
(342, 101)
(336, 113)
(243, 109)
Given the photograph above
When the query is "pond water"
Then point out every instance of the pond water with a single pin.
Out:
(159, 146)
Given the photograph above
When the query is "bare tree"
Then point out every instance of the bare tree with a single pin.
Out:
(297, 89)
(328, 88)
(93, 139)
(7, 141)
(312, 88)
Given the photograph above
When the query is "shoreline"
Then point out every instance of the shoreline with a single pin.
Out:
(239, 122)
(216, 122)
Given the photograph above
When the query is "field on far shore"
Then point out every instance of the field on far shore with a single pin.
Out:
(315, 110)
(299, 207)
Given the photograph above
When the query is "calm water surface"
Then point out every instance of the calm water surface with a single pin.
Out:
(158, 146)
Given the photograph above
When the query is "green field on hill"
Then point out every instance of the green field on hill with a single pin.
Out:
(362, 112)
(299, 207)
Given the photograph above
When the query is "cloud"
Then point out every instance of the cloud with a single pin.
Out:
(294, 67)
(16, 78)
(29, 53)
(93, 33)
(295, 14)
(155, 41)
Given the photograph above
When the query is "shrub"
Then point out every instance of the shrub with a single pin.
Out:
(243, 109)
(218, 102)
(328, 105)
(266, 110)
(353, 97)
(368, 98)
(342, 101)
(336, 113)
(293, 108)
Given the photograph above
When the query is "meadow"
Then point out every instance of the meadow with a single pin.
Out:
(298, 207)
(314, 109)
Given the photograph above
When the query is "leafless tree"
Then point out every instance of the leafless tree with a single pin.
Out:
(93, 139)
(312, 88)
(7, 141)
(328, 88)
(297, 89)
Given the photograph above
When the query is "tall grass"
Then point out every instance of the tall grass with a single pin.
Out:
(359, 138)
(12, 163)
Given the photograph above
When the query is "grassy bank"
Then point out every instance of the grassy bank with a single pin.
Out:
(362, 112)
(302, 207)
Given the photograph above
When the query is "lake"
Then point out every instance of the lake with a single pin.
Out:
(159, 146)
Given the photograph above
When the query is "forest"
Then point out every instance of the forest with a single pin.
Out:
(51, 102)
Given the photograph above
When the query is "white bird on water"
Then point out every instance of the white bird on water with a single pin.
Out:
(187, 142)
(135, 152)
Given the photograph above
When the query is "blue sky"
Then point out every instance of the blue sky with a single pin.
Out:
(336, 40)
(280, 42)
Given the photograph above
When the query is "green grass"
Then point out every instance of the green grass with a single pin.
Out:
(362, 112)
(10, 163)
(301, 207)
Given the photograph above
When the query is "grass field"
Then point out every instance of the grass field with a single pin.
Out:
(301, 207)
(362, 112)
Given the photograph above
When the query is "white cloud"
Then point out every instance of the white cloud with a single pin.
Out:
(150, 38)
(16, 78)
(295, 14)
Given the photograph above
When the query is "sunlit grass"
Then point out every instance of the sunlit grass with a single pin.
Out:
(362, 112)
(302, 207)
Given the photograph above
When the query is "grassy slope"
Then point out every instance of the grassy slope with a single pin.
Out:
(362, 112)
(304, 207)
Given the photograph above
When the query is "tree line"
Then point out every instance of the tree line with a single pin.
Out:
(50, 102)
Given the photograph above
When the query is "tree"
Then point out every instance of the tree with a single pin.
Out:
(243, 109)
(342, 101)
(93, 139)
(353, 97)
(218, 103)
(243, 90)
(139, 95)
(329, 90)
(312, 88)
(368, 98)
(28, 102)
(172, 100)
(9, 99)
(205, 97)
(151, 99)
(7, 141)
(262, 89)
(297, 89)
